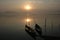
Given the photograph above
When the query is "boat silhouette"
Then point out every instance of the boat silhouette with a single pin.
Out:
(30, 31)
(38, 29)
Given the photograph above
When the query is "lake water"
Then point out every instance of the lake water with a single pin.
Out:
(14, 26)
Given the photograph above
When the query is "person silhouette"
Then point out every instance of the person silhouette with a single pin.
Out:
(38, 29)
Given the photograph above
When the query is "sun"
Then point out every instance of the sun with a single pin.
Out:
(28, 20)
(28, 7)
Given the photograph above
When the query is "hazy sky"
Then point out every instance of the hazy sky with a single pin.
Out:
(7, 5)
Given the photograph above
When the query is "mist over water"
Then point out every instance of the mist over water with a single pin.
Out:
(15, 25)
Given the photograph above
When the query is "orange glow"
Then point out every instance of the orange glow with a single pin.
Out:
(28, 20)
(27, 7)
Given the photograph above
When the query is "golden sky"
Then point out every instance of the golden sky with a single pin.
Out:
(6, 5)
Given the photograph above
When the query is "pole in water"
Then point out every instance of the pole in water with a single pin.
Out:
(45, 26)
(52, 26)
